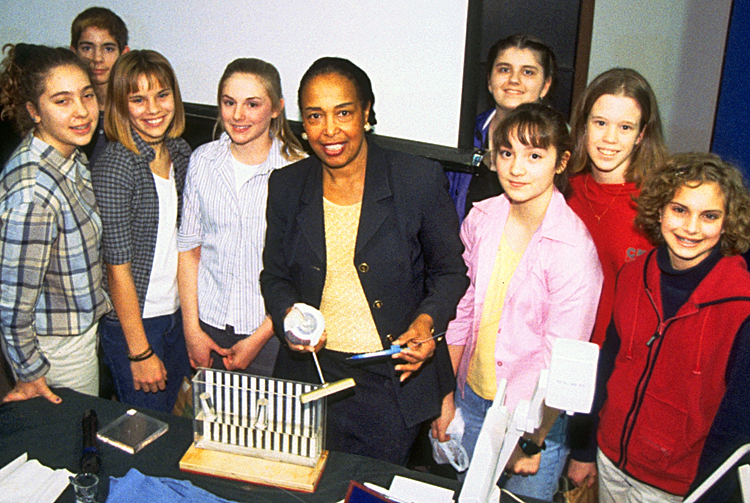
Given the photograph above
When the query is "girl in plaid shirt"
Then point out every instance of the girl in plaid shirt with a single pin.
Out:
(50, 271)
(138, 182)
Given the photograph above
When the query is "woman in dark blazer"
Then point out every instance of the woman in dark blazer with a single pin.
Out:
(404, 266)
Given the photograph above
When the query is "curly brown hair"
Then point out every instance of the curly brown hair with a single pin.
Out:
(23, 76)
(691, 170)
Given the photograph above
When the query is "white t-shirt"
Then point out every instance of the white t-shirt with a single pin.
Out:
(243, 172)
(162, 297)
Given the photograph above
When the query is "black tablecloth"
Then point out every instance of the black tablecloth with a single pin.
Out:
(53, 435)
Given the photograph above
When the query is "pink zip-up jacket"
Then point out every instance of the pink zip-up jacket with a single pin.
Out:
(554, 292)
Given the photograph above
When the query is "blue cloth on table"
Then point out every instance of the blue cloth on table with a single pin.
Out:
(163, 490)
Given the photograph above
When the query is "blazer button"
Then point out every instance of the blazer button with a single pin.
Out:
(363, 267)
(377, 304)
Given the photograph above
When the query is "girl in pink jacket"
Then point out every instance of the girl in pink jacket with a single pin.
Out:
(535, 276)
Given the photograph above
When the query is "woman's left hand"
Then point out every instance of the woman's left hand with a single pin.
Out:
(419, 346)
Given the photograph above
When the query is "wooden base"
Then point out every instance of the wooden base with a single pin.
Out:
(254, 470)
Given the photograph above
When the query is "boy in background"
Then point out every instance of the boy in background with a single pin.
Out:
(99, 37)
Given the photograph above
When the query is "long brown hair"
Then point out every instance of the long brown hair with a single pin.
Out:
(650, 152)
(23, 74)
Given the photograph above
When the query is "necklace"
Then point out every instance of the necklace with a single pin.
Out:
(606, 209)
(154, 143)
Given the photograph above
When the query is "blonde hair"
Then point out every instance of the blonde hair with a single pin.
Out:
(125, 74)
(291, 149)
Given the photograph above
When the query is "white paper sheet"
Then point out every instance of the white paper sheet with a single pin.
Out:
(406, 489)
(24, 480)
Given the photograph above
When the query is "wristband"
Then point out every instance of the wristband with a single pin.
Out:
(529, 447)
(143, 356)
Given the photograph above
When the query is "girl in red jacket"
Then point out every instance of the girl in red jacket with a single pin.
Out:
(678, 335)
(616, 130)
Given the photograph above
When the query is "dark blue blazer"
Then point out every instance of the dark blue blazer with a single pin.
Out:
(407, 254)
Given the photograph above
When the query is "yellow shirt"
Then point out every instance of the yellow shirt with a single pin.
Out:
(481, 376)
(349, 324)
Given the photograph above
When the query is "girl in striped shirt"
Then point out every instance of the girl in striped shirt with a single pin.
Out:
(223, 226)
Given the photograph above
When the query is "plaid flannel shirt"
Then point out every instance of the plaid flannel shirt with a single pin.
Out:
(50, 268)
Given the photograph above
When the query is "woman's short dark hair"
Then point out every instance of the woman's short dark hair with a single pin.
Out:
(348, 70)
(539, 126)
(692, 170)
(544, 54)
(23, 75)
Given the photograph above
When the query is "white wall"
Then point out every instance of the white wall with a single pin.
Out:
(412, 50)
(678, 45)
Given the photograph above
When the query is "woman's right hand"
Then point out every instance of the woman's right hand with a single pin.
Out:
(440, 425)
(199, 347)
(300, 348)
(149, 375)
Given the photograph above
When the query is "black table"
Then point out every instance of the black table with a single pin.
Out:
(52, 434)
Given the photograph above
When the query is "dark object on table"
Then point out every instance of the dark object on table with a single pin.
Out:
(90, 460)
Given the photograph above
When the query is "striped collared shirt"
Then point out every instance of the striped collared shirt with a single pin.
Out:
(230, 228)
(51, 271)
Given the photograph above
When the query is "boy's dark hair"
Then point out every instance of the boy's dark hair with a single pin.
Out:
(102, 18)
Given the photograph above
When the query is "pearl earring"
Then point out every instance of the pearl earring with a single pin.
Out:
(304, 136)
(368, 127)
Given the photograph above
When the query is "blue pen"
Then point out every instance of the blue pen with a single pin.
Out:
(395, 349)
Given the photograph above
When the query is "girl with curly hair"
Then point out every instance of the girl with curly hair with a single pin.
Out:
(673, 368)
(51, 296)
